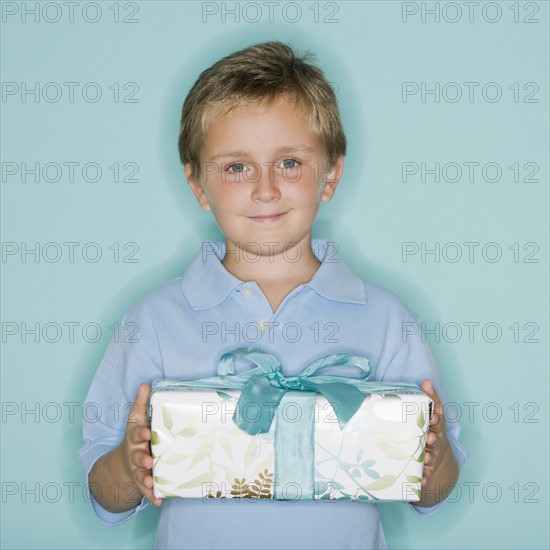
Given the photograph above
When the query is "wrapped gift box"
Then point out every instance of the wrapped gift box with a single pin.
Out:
(199, 451)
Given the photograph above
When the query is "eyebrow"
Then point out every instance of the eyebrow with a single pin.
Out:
(291, 149)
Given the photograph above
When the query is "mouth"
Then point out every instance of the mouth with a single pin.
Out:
(267, 218)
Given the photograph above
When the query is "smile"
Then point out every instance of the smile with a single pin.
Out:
(269, 218)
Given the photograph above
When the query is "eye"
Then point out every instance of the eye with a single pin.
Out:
(286, 166)
(239, 168)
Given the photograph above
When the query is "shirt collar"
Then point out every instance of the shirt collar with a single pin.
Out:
(207, 283)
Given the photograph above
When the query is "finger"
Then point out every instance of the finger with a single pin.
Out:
(425, 476)
(427, 457)
(427, 472)
(156, 501)
(148, 491)
(431, 439)
(151, 498)
(144, 435)
(142, 459)
(147, 461)
(437, 425)
(144, 480)
(139, 435)
(148, 481)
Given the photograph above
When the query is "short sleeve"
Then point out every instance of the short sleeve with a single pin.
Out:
(412, 363)
(131, 358)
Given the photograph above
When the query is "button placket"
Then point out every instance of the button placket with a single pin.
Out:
(266, 320)
(262, 324)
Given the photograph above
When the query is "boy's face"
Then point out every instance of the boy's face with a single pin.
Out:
(264, 176)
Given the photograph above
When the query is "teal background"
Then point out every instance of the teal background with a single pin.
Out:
(367, 52)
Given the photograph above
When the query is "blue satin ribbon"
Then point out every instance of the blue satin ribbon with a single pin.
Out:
(294, 443)
(264, 390)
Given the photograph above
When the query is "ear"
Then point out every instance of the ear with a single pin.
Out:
(197, 188)
(332, 178)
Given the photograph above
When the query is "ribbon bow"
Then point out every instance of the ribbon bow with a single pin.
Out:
(266, 386)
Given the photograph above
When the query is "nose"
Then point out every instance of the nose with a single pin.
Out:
(265, 188)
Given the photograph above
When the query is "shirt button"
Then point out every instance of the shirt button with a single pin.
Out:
(248, 292)
(262, 324)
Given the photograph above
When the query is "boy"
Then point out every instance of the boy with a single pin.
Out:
(262, 146)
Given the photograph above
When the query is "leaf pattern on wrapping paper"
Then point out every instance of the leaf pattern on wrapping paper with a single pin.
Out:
(190, 431)
(384, 442)
(259, 488)
(421, 420)
(329, 490)
(162, 480)
(391, 451)
(385, 459)
(205, 448)
(268, 462)
(190, 448)
(383, 483)
(176, 458)
(197, 481)
(167, 418)
(235, 430)
(240, 487)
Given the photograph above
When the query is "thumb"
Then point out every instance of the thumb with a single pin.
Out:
(428, 388)
(138, 412)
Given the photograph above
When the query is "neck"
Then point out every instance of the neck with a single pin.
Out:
(296, 263)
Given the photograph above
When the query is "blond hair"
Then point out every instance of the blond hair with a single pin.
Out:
(262, 72)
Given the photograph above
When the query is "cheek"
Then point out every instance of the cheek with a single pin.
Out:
(309, 196)
(224, 204)
(216, 198)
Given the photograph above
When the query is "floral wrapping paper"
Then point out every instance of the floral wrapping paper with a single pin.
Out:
(199, 452)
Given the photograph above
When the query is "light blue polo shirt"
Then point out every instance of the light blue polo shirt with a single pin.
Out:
(181, 329)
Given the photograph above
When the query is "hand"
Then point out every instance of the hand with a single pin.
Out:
(438, 447)
(136, 454)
